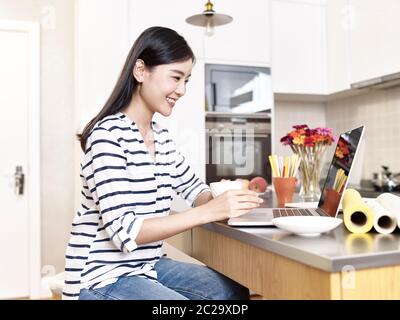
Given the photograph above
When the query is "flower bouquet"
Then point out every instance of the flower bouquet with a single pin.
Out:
(310, 145)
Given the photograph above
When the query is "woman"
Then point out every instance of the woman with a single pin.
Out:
(129, 173)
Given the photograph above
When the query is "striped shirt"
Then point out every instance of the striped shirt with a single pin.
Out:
(122, 186)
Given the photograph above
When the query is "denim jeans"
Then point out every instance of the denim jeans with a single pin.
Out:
(176, 281)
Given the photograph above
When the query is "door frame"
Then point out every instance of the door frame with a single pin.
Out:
(32, 29)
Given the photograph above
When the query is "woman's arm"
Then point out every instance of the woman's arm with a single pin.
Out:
(203, 198)
(232, 203)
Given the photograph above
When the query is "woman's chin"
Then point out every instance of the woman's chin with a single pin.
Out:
(166, 112)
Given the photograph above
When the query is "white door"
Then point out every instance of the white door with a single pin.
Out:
(17, 226)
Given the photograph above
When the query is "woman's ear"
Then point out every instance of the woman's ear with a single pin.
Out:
(138, 70)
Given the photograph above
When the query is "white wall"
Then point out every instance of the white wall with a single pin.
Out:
(57, 106)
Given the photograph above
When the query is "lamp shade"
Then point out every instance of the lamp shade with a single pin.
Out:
(209, 17)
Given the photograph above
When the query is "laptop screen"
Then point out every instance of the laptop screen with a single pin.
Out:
(339, 171)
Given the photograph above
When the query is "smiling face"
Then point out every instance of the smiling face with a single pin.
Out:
(163, 85)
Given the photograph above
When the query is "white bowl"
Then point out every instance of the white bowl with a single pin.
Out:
(220, 187)
(307, 225)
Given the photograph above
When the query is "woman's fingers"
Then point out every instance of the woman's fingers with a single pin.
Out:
(247, 205)
(242, 192)
(250, 198)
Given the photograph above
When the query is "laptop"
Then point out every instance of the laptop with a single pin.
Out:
(332, 192)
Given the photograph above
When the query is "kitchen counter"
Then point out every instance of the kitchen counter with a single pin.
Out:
(279, 265)
(331, 251)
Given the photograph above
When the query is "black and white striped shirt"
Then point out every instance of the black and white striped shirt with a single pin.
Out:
(122, 186)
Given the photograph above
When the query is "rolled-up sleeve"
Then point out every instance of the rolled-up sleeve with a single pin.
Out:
(185, 181)
(112, 189)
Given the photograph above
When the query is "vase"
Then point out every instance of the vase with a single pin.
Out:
(310, 171)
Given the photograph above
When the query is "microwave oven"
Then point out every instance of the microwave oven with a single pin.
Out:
(237, 89)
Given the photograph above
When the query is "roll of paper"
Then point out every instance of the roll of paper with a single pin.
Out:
(391, 203)
(357, 216)
(384, 220)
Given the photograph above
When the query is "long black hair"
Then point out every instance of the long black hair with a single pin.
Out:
(155, 46)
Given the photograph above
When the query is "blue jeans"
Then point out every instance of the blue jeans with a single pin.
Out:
(176, 281)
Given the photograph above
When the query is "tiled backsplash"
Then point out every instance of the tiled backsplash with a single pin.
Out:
(379, 111)
(289, 113)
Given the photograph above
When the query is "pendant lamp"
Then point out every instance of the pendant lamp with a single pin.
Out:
(209, 19)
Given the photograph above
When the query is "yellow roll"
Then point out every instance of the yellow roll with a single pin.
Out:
(357, 216)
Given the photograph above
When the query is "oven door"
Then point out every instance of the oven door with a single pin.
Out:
(239, 154)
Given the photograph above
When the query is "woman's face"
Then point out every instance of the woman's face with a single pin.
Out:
(164, 85)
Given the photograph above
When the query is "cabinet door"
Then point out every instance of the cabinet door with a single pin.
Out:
(374, 38)
(172, 14)
(247, 38)
(338, 22)
(298, 47)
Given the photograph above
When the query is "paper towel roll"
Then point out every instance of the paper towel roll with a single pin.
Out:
(384, 220)
(357, 216)
(391, 203)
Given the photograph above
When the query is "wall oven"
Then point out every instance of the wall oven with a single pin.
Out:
(237, 146)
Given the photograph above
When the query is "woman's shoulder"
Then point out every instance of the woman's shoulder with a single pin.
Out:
(110, 126)
(110, 122)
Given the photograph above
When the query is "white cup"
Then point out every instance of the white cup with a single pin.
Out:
(218, 188)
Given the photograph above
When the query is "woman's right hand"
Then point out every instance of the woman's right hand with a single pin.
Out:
(231, 203)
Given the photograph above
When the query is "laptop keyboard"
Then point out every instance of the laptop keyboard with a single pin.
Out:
(298, 212)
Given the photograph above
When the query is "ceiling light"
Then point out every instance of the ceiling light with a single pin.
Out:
(209, 19)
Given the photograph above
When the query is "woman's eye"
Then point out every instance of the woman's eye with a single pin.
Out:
(177, 78)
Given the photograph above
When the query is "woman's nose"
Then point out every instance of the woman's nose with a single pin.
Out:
(181, 89)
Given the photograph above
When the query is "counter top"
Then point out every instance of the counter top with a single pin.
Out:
(333, 252)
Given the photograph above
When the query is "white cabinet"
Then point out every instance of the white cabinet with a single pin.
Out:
(363, 40)
(374, 35)
(299, 47)
(338, 24)
(246, 39)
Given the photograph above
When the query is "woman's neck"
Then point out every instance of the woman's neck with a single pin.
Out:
(138, 112)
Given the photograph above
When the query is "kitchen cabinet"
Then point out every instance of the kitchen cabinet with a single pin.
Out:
(338, 22)
(374, 33)
(362, 41)
(246, 40)
(298, 47)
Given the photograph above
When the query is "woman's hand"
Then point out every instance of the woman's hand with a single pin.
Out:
(231, 203)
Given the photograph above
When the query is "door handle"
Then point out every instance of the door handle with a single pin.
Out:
(19, 180)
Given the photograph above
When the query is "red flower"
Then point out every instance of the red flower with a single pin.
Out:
(304, 136)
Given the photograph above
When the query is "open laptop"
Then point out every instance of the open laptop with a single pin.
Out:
(331, 195)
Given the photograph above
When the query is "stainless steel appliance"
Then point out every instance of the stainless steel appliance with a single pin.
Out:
(237, 89)
(237, 146)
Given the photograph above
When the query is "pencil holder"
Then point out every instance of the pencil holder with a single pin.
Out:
(284, 189)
